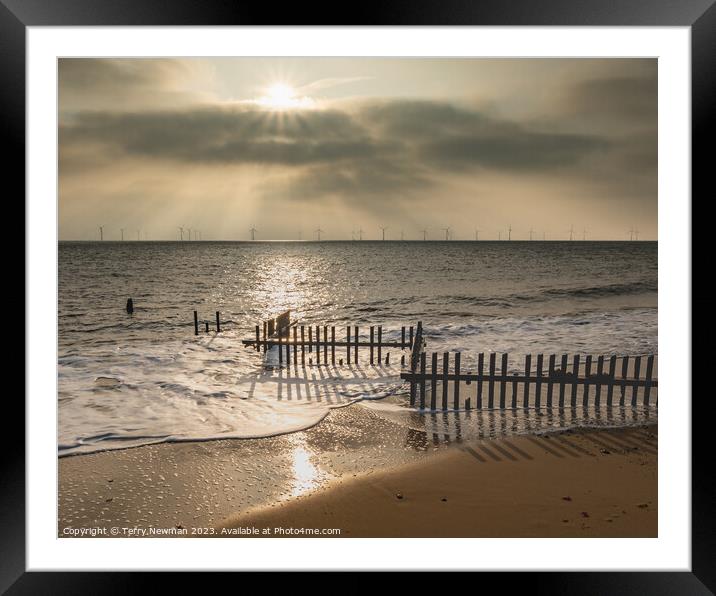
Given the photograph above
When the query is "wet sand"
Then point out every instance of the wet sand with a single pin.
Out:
(346, 472)
(573, 484)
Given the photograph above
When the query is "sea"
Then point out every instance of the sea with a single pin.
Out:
(126, 380)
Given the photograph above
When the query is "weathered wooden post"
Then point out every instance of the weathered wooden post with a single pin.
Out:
(258, 339)
(649, 373)
(380, 341)
(491, 383)
(433, 380)
(446, 371)
(480, 369)
(422, 379)
(503, 381)
(612, 372)
(598, 390)
(562, 379)
(550, 381)
(295, 347)
(625, 370)
(218, 324)
(528, 369)
(587, 372)
(207, 326)
(456, 387)
(303, 346)
(325, 344)
(333, 345)
(637, 367)
(348, 344)
(538, 385)
(575, 371)
(372, 335)
(196, 323)
(318, 345)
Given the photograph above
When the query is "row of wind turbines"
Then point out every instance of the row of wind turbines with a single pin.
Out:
(186, 233)
(358, 234)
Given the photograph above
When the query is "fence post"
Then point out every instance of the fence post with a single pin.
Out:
(218, 325)
(348, 344)
(318, 345)
(491, 384)
(528, 370)
(538, 386)
(587, 372)
(456, 388)
(649, 373)
(258, 339)
(372, 335)
(561, 381)
(612, 372)
(310, 339)
(333, 345)
(550, 382)
(265, 336)
(303, 346)
(206, 323)
(625, 371)
(598, 390)
(575, 371)
(280, 350)
(355, 351)
(514, 391)
(433, 380)
(325, 344)
(446, 368)
(196, 323)
(637, 367)
(503, 381)
(295, 347)
(422, 381)
(380, 342)
(480, 368)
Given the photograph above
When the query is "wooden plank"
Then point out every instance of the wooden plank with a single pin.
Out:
(503, 383)
(196, 323)
(411, 337)
(310, 339)
(288, 348)
(637, 370)
(587, 372)
(280, 351)
(550, 382)
(491, 383)
(218, 323)
(625, 370)
(380, 342)
(456, 384)
(446, 365)
(528, 369)
(612, 372)
(480, 368)
(575, 371)
(422, 381)
(433, 381)
(258, 339)
(295, 347)
(318, 345)
(514, 393)
(357, 343)
(561, 381)
(265, 336)
(372, 336)
(402, 337)
(649, 373)
(538, 383)
(303, 346)
(325, 344)
(348, 344)
(598, 390)
(333, 345)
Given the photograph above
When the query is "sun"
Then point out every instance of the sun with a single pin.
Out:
(281, 96)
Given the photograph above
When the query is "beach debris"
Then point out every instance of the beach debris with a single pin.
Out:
(399, 496)
(567, 498)
(643, 505)
(444, 500)
(584, 514)
(604, 451)
(108, 500)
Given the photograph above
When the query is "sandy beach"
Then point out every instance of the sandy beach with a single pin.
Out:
(367, 477)
(574, 484)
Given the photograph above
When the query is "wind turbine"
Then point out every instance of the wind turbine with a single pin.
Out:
(384, 229)
(122, 232)
(319, 231)
(571, 232)
(584, 234)
(477, 234)
(360, 234)
(101, 233)
(531, 231)
(137, 235)
(509, 232)
(447, 233)
(636, 233)
(253, 231)
(181, 233)
(499, 235)
(425, 235)
(402, 235)
(189, 233)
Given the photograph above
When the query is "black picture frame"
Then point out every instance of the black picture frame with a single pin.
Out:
(699, 15)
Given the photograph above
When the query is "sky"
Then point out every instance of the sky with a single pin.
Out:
(496, 148)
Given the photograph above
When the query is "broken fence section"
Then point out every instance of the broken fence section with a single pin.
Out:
(541, 383)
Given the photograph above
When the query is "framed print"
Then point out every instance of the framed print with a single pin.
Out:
(382, 295)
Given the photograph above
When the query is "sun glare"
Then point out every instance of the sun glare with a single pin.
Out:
(281, 96)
